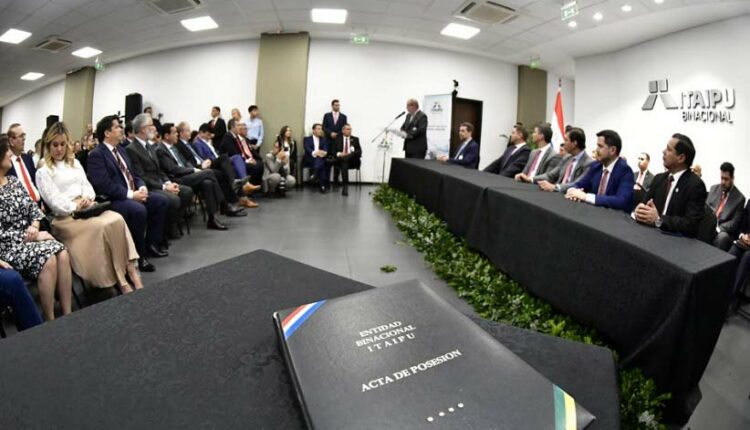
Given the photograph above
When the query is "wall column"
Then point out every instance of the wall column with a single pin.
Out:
(532, 96)
(78, 102)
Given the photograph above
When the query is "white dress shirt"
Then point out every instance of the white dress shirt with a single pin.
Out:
(672, 188)
(61, 185)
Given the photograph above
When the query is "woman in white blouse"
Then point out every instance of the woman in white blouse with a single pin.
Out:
(101, 248)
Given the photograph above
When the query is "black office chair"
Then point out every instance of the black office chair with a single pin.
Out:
(707, 228)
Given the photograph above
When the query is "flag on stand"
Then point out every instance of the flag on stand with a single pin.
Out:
(558, 124)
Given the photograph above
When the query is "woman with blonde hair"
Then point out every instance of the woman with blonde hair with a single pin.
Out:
(34, 254)
(101, 248)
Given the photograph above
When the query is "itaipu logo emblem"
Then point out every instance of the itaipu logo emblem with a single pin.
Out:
(436, 107)
(706, 105)
(659, 88)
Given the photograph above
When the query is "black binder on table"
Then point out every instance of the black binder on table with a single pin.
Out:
(401, 357)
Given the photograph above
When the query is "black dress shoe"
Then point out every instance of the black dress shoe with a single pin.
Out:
(214, 224)
(145, 266)
(322, 190)
(344, 192)
(155, 252)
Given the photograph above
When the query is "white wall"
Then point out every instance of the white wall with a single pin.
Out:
(568, 97)
(184, 83)
(611, 89)
(31, 111)
(373, 83)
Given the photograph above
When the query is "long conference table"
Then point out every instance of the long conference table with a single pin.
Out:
(659, 299)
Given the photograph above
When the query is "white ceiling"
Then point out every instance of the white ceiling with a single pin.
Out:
(127, 28)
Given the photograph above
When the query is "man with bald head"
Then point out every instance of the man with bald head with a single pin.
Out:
(22, 164)
(415, 128)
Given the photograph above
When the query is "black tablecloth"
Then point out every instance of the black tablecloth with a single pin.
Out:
(659, 299)
(200, 351)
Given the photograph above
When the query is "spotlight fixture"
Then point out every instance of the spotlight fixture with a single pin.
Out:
(598, 16)
(626, 8)
(572, 24)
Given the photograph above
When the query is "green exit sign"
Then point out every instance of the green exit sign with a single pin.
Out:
(569, 10)
(361, 40)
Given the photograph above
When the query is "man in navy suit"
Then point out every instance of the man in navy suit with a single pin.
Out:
(333, 122)
(468, 153)
(515, 156)
(609, 181)
(22, 164)
(316, 150)
(111, 174)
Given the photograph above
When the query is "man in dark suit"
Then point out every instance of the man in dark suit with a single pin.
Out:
(643, 176)
(316, 150)
(111, 175)
(676, 200)
(217, 125)
(22, 164)
(573, 166)
(221, 169)
(201, 181)
(543, 158)
(333, 122)
(609, 180)
(515, 156)
(726, 202)
(237, 149)
(468, 153)
(346, 154)
(202, 144)
(415, 130)
(146, 166)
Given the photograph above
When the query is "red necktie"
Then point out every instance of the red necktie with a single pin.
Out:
(603, 183)
(124, 170)
(335, 117)
(533, 163)
(721, 205)
(243, 148)
(213, 123)
(346, 145)
(26, 180)
(568, 169)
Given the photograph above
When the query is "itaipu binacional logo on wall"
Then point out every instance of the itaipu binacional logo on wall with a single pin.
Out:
(436, 107)
(710, 105)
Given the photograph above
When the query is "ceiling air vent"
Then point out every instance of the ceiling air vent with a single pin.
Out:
(485, 11)
(171, 7)
(53, 44)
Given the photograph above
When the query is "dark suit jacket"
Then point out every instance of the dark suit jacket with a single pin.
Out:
(203, 150)
(647, 179)
(219, 129)
(619, 191)
(469, 157)
(169, 166)
(355, 150)
(28, 160)
(550, 160)
(146, 165)
(686, 207)
(330, 127)
(556, 175)
(731, 215)
(511, 166)
(416, 133)
(229, 146)
(308, 160)
(105, 175)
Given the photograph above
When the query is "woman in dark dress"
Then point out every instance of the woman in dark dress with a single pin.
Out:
(34, 254)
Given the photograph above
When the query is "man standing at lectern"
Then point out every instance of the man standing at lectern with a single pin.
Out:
(415, 127)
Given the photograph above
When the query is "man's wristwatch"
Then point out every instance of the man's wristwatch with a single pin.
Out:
(658, 222)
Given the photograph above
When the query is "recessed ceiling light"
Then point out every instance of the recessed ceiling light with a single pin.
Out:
(329, 16)
(626, 8)
(14, 36)
(658, 1)
(572, 24)
(32, 76)
(199, 24)
(598, 16)
(460, 31)
(86, 52)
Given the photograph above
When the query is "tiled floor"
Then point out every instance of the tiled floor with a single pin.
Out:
(353, 237)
